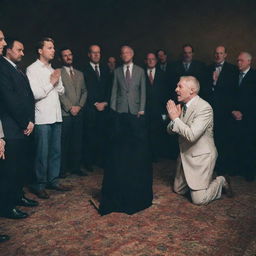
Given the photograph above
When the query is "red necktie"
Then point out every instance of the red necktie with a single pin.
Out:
(128, 75)
(151, 79)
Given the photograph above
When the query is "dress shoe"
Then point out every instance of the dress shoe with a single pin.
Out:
(81, 173)
(89, 168)
(227, 186)
(15, 214)
(27, 202)
(4, 238)
(41, 194)
(59, 187)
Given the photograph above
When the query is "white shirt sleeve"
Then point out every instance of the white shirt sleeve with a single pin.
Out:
(39, 90)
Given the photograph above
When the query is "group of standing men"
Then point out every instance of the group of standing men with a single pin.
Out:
(45, 101)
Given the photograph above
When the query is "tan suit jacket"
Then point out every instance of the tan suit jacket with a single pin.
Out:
(197, 149)
(1, 130)
(75, 91)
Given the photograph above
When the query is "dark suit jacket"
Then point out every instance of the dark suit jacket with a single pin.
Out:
(156, 94)
(17, 106)
(222, 95)
(129, 98)
(97, 91)
(196, 69)
(245, 98)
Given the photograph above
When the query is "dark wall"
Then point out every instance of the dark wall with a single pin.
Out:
(144, 24)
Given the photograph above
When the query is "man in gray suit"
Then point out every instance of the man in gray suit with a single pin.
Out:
(194, 125)
(72, 103)
(129, 86)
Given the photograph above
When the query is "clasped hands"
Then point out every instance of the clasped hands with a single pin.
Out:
(29, 129)
(174, 111)
(2, 145)
(100, 106)
(74, 110)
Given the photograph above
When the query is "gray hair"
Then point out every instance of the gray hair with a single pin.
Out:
(247, 54)
(127, 46)
(192, 82)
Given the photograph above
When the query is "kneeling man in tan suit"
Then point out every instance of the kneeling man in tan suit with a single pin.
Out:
(194, 124)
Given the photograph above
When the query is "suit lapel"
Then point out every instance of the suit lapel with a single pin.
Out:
(190, 110)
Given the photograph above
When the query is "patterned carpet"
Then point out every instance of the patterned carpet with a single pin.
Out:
(68, 225)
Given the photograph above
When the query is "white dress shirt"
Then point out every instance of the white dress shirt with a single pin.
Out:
(47, 107)
(130, 68)
(12, 63)
(93, 66)
(69, 69)
(153, 72)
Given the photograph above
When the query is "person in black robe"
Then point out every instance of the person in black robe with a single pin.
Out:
(127, 182)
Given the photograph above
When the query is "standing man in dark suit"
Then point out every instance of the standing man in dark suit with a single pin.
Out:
(129, 87)
(156, 98)
(17, 115)
(244, 114)
(220, 93)
(97, 80)
(3, 238)
(189, 67)
(72, 103)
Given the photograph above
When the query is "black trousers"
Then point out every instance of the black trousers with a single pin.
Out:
(244, 158)
(71, 143)
(13, 172)
(94, 139)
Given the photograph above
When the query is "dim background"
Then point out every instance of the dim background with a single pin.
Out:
(146, 25)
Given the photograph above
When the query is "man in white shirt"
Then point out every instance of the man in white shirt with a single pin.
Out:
(194, 125)
(46, 85)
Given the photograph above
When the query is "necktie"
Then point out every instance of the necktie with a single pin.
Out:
(128, 75)
(186, 66)
(218, 65)
(151, 79)
(184, 109)
(71, 73)
(241, 76)
(97, 72)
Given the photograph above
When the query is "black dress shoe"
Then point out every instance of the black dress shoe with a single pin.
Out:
(15, 214)
(4, 238)
(59, 187)
(27, 202)
(40, 193)
(81, 173)
(227, 186)
(89, 168)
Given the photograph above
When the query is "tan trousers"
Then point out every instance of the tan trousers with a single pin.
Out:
(199, 197)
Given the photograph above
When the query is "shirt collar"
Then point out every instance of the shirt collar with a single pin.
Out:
(130, 65)
(43, 64)
(189, 103)
(11, 62)
(245, 72)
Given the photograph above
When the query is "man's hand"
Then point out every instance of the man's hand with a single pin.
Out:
(174, 111)
(140, 113)
(100, 106)
(55, 76)
(75, 110)
(237, 115)
(2, 149)
(29, 129)
(215, 75)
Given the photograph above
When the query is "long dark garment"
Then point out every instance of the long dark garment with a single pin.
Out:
(127, 182)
